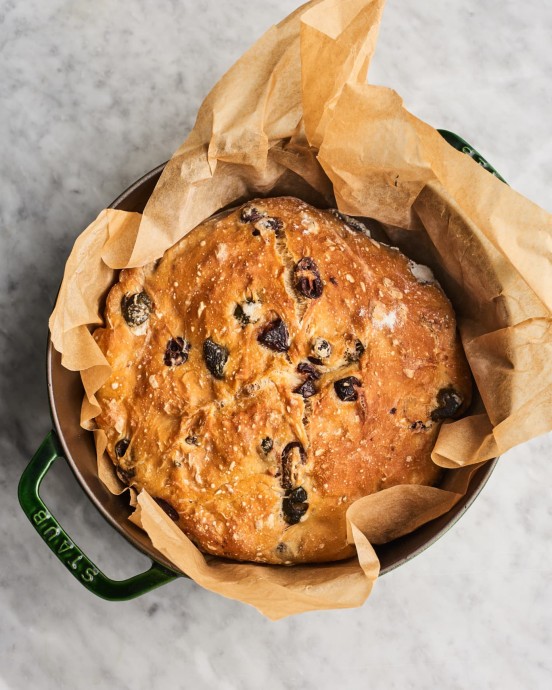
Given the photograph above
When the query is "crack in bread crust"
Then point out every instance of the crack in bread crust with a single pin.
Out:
(288, 263)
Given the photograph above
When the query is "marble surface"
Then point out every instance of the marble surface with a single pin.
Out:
(93, 95)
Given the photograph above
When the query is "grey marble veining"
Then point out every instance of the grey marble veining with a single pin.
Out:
(92, 95)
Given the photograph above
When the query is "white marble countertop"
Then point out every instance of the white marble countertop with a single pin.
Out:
(93, 95)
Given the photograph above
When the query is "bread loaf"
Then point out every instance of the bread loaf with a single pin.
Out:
(273, 367)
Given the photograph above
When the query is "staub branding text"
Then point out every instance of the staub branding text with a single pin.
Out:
(63, 546)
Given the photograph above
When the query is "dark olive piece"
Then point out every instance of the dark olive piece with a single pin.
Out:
(191, 440)
(308, 370)
(356, 354)
(273, 224)
(215, 357)
(136, 308)
(293, 512)
(321, 348)
(353, 223)
(315, 360)
(250, 214)
(267, 444)
(306, 278)
(275, 336)
(298, 495)
(449, 402)
(418, 425)
(333, 280)
(167, 507)
(307, 389)
(244, 317)
(345, 388)
(176, 352)
(256, 233)
(126, 475)
(392, 410)
(287, 456)
(240, 315)
(121, 447)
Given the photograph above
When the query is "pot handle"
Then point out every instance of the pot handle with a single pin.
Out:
(462, 145)
(76, 562)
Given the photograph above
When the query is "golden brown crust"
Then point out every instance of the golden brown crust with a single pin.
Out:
(257, 460)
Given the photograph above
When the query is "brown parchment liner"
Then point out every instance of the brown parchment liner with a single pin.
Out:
(295, 116)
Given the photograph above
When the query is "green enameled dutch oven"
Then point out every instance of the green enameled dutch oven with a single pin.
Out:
(68, 440)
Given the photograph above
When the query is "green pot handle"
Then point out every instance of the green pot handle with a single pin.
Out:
(76, 562)
(462, 145)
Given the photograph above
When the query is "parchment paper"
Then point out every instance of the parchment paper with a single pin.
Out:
(295, 116)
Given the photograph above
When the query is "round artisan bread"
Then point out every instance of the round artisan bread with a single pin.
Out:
(273, 367)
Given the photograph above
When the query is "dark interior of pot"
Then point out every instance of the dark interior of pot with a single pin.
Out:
(66, 393)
